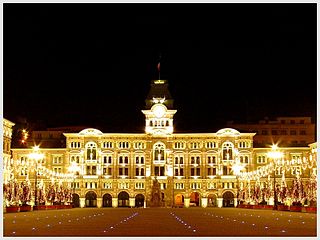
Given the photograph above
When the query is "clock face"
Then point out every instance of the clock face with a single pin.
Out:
(159, 111)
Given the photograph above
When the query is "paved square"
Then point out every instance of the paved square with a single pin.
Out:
(212, 222)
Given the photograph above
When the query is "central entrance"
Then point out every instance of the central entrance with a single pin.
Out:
(107, 200)
(91, 199)
(123, 199)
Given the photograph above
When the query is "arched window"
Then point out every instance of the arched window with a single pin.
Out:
(227, 151)
(91, 148)
(158, 152)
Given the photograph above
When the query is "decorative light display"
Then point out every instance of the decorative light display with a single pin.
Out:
(300, 192)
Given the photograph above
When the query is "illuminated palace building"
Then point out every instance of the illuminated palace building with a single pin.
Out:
(161, 168)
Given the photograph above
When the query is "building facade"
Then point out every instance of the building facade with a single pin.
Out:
(6, 154)
(161, 168)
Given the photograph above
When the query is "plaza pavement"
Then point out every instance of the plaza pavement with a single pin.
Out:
(161, 222)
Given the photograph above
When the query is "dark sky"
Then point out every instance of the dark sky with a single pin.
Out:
(92, 64)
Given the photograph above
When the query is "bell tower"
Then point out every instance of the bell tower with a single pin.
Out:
(159, 116)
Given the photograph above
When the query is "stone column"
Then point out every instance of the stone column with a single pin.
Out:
(99, 202)
(114, 202)
(220, 201)
(186, 202)
(204, 202)
(82, 202)
(144, 204)
(132, 202)
(235, 200)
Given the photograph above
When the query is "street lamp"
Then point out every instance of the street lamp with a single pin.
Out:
(275, 154)
(36, 156)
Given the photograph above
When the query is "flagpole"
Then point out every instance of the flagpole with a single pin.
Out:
(159, 65)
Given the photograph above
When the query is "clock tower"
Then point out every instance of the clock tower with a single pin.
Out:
(159, 116)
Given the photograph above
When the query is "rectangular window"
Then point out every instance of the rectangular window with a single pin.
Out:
(156, 171)
(94, 170)
(212, 171)
(139, 185)
(179, 186)
(195, 171)
(107, 171)
(274, 132)
(303, 132)
(226, 170)
(24, 171)
(261, 159)
(107, 185)
(293, 132)
(264, 132)
(88, 170)
(107, 159)
(283, 132)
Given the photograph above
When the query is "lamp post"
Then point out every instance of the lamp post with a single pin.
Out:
(36, 156)
(275, 154)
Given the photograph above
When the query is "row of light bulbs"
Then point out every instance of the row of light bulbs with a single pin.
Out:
(286, 165)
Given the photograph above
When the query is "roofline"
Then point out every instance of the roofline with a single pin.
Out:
(28, 149)
(9, 122)
(283, 148)
(214, 134)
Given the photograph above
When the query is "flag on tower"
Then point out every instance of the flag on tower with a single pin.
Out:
(158, 67)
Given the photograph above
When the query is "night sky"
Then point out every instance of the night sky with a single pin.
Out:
(92, 64)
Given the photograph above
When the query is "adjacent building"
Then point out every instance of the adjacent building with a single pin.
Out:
(6, 154)
(284, 131)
